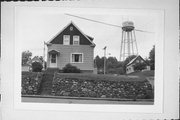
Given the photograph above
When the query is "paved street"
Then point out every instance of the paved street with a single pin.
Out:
(81, 101)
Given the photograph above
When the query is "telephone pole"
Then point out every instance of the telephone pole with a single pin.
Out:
(105, 59)
(44, 56)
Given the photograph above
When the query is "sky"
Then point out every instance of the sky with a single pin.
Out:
(34, 26)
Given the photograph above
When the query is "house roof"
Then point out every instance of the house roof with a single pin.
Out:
(36, 59)
(90, 39)
(134, 59)
(53, 51)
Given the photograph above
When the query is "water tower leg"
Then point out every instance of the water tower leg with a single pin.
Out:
(128, 44)
(121, 52)
(124, 48)
(132, 43)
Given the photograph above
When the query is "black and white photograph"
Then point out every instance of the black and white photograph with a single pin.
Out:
(87, 58)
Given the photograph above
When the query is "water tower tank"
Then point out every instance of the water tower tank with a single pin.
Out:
(128, 26)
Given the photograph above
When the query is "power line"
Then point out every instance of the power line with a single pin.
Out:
(93, 20)
(103, 22)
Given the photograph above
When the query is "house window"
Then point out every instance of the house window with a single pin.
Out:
(53, 58)
(66, 39)
(77, 58)
(75, 40)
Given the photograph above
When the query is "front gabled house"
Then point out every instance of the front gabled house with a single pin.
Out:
(28, 65)
(72, 46)
(136, 60)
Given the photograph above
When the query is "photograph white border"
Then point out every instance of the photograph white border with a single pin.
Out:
(159, 52)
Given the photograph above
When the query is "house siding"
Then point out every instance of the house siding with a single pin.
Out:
(65, 55)
(129, 69)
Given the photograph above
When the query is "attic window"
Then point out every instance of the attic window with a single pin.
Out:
(71, 28)
(75, 40)
(66, 39)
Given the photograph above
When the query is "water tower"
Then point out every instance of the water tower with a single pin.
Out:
(128, 41)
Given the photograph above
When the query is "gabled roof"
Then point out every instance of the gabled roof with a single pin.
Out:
(54, 51)
(134, 59)
(90, 39)
(34, 59)
(49, 42)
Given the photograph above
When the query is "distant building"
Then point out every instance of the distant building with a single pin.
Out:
(136, 60)
(28, 66)
(35, 59)
(72, 46)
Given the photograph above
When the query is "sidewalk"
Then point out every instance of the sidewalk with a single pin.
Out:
(83, 101)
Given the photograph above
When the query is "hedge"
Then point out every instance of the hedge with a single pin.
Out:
(70, 69)
(80, 86)
(31, 83)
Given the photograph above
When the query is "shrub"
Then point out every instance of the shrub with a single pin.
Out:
(30, 83)
(139, 66)
(37, 67)
(70, 69)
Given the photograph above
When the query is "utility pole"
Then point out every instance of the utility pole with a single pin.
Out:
(105, 59)
(44, 55)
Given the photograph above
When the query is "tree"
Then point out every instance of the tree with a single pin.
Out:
(113, 66)
(112, 62)
(152, 58)
(37, 67)
(139, 66)
(99, 62)
(26, 56)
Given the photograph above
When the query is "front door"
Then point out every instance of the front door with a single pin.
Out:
(53, 60)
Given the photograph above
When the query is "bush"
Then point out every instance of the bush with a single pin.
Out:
(37, 67)
(30, 83)
(71, 69)
(139, 66)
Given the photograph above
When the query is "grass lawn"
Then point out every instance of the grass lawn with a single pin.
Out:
(143, 74)
(100, 77)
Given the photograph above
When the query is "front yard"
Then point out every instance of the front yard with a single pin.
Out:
(87, 86)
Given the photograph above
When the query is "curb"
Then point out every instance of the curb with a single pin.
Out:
(85, 98)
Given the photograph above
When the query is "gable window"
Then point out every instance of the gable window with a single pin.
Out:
(77, 58)
(75, 40)
(66, 39)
